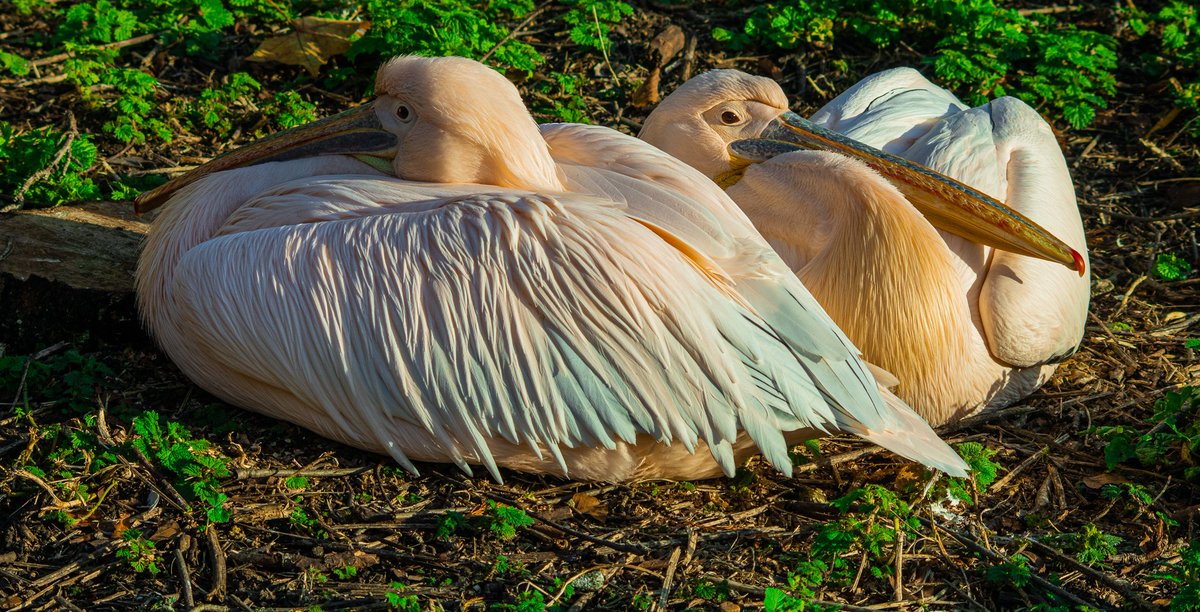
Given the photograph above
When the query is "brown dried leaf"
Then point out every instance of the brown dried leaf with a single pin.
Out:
(165, 531)
(768, 68)
(647, 94)
(311, 43)
(1095, 481)
(120, 526)
(355, 558)
(909, 474)
(590, 505)
(668, 44)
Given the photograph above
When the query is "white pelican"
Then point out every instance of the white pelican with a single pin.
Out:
(572, 301)
(961, 325)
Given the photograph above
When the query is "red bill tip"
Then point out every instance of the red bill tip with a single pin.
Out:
(1079, 265)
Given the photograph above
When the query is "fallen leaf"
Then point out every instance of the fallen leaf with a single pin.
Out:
(1096, 481)
(668, 44)
(768, 68)
(909, 474)
(120, 526)
(647, 94)
(589, 505)
(311, 43)
(165, 531)
(356, 559)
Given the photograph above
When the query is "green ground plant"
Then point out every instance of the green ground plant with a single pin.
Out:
(506, 520)
(70, 379)
(1171, 267)
(777, 600)
(560, 99)
(304, 522)
(97, 23)
(131, 103)
(1176, 28)
(983, 472)
(139, 552)
(590, 21)
(289, 109)
(1171, 443)
(45, 165)
(14, 64)
(216, 108)
(1093, 547)
(69, 452)
(134, 113)
(448, 27)
(1186, 575)
(195, 467)
(400, 600)
(872, 519)
(450, 524)
(975, 47)
(1015, 571)
(526, 601)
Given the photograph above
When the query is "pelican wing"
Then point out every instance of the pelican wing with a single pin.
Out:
(551, 322)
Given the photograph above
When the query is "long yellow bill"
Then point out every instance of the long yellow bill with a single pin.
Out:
(357, 132)
(948, 204)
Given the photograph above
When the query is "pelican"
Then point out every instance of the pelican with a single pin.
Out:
(434, 277)
(967, 302)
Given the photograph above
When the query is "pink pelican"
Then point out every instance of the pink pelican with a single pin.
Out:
(910, 276)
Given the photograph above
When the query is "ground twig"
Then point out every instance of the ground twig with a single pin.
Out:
(217, 592)
(1042, 583)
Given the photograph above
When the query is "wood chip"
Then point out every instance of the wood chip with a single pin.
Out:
(668, 44)
(647, 94)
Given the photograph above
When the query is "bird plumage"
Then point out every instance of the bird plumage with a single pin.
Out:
(595, 310)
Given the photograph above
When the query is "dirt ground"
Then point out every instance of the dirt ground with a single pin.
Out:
(305, 509)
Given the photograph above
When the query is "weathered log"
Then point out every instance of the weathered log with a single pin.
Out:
(66, 273)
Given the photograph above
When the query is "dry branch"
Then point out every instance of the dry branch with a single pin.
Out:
(67, 272)
(93, 246)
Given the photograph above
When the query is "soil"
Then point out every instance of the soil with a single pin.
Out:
(713, 544)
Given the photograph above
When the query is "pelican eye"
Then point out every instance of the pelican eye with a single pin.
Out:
(730, 118)
(403, 113)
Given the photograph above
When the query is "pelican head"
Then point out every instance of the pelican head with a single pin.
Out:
(438, 120)
(722, 121)
(698, 121)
